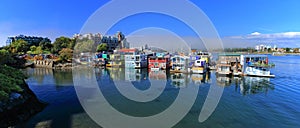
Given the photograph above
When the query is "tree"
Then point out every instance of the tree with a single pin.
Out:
(84, 46)
(269, 49)
(32, 48)
(46, 45)
(62, 42)
(287, 49)
(66, 54)
(19, 46)
(102, 47)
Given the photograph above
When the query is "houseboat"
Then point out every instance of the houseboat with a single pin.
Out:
(199, 66)
(136, 61)
(116, 60)
(180, 64)
(228, 64)
(256, 65)
(159, 61)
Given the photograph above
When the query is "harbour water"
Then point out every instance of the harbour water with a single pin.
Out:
(246, 101)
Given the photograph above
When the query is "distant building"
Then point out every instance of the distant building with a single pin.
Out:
(31, 40)
(117, 41)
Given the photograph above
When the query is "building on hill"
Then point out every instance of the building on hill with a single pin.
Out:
(117, 41)
(31, 40)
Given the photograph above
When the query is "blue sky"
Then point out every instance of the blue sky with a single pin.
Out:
(237, 21)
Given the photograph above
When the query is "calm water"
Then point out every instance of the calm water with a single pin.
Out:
(246, 102)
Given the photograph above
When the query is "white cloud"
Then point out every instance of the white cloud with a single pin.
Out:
(283, 39)
(255, 34)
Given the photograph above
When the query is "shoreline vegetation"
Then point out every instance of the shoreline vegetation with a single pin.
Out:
(17, 102)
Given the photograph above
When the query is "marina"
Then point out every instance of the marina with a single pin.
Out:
(249, 101)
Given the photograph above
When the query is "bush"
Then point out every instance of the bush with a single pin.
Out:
(11, 80)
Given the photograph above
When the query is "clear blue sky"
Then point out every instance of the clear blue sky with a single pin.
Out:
(232, 18)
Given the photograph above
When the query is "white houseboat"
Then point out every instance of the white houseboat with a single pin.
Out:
(136, 61)
(180, 64)
(256, 65)
(199, 66)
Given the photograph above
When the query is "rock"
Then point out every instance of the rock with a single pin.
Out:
(19, 107)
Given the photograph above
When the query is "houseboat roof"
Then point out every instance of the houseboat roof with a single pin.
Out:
(229, 54)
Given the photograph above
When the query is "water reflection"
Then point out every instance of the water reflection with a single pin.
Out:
(247, 84)
(177, 80)
(45, 75)
(254, 85)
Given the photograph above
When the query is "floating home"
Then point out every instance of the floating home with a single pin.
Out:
(116, 60)
(159, 61)
(199, 66)
(180, 64)
(228, 64)
(256, 65)
(136, 61)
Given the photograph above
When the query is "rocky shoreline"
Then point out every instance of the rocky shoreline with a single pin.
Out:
(20, 107)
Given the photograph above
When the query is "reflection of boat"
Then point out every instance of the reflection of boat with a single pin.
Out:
(253, 85)
(198, 78)
(223, 80)
(256, 65)
(199, 66)
(158, 75)
(135, 74)
(179, 80)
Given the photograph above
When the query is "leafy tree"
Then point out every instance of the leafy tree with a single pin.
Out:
(62, 42)
(102, 47)
(287, 49)
(6, 57)
(84, 46)
(46, 45)
(19, 46)
(66, 54)
(269, 50)
(32, 48)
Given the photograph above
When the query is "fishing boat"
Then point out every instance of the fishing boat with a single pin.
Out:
(199, 66)
(256, 65)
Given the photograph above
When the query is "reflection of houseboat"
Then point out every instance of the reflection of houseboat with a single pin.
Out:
(253, 85)
(199, 66)
(158, 75)
(135, 74)
(136, 61)
(159, 61)
(180, 64)
(179, 80)
(223, 80)
(199, 78)
(256, 65)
